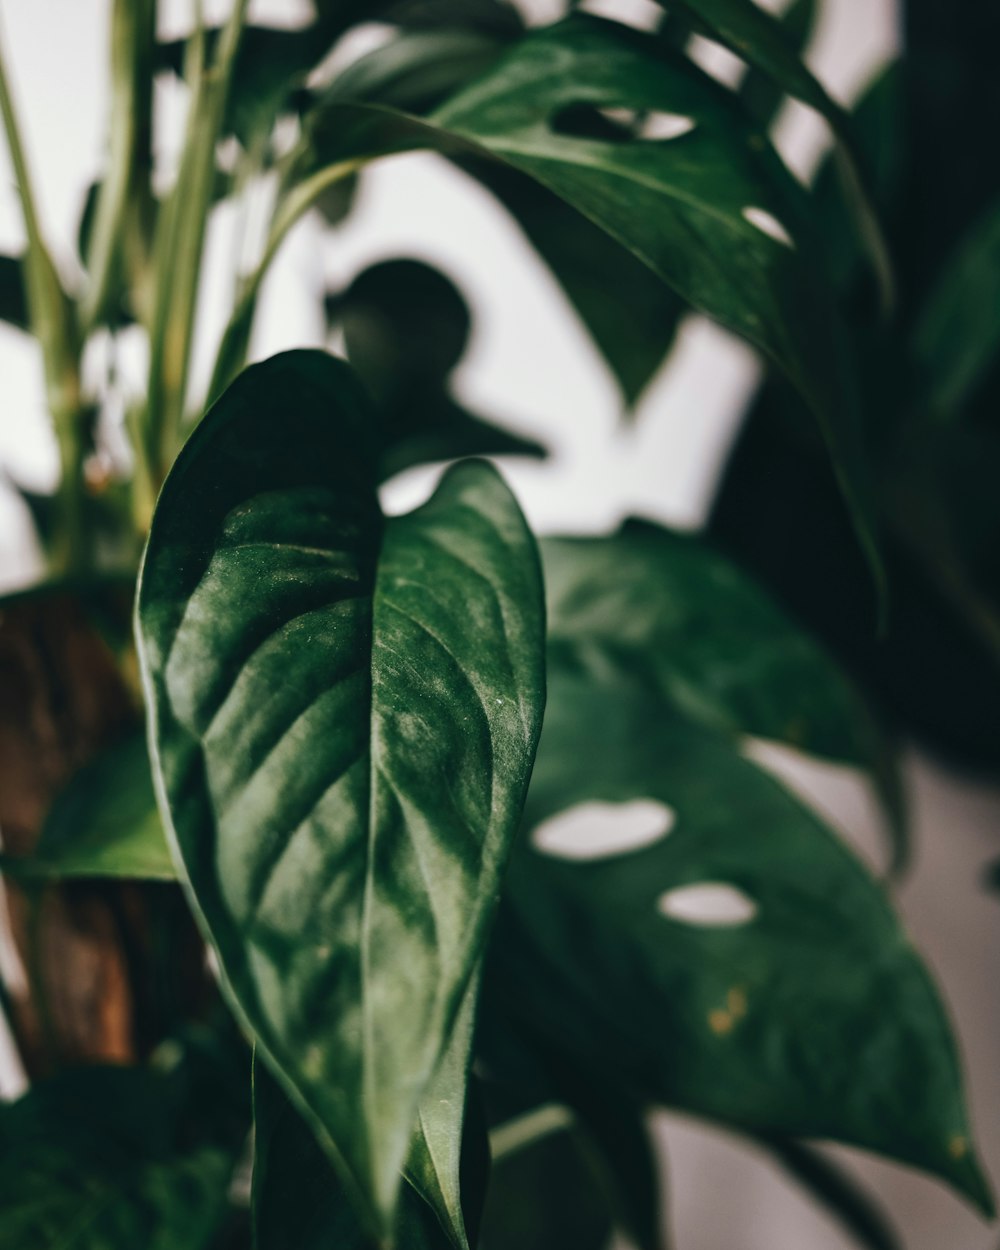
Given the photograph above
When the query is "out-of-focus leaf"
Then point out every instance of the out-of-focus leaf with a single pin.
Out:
(836, 1191)
(405, 327)
(762, 92)
(680, 205)
(549, 1193)
(631, 314)
(104, 823)
(298, 1203)
(743, 966)
(90, 1161)
(759, 39)
(933, 672)
(417, 69)
(13, 299)
(270, 64)
(686, 622)
(957, 337)
(344, 711)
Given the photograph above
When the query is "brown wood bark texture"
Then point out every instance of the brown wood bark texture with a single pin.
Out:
(87, 946)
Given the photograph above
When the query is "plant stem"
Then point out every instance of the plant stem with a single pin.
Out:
(48, 311)
(133, 31)
(179, 246)
(233, 349)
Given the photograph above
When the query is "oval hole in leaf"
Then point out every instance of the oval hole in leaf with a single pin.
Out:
(768, 224)
(596, 830)
(709, 903)
(665, 126)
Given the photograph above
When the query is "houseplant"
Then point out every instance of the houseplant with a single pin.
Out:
(344, 709)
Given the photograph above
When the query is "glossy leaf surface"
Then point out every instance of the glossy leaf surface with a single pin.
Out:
(344, 712)
(676, 614)
(804, 1012)
(88, 1162)
(677, 204)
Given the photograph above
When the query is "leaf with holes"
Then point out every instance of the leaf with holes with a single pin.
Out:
(713, 212)
(674, 613)
(744, 967)
(759, 39)
(343, 712)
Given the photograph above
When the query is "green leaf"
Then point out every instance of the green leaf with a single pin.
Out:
(88, 1161)
(630, 313)
(957, 335)
(406, 326)
(298, 1202)
(548, 1193)
(435, 1166)
(13, 298)
(417, 69)
(679, 204)
(759, 39)
(836, 1191)
(104, 823)
(801, 1012)
(673, 612)
(344, 712)
(762, 92)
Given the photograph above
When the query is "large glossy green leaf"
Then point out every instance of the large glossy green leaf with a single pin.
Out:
(298, 1202)
(678, 615)
(685, 206)
(343, 711)
(802, 1010)
(89, 1161)
(104, 823)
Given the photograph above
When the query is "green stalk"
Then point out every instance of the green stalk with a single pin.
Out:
(133, 31)
(179, 245)
(235, 341)
(48, 311)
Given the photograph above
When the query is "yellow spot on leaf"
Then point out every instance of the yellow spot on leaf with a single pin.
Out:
(958, 1147)
(720, 1022)
(736, 1002)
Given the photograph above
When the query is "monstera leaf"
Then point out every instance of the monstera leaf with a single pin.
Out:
(343, 715)
(712, 210)
(674, 612)
(738, 962)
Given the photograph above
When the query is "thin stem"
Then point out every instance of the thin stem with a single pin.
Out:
(133, 26)
(50, 323)
(532, 1126)
(180, 245)
(233, 349)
